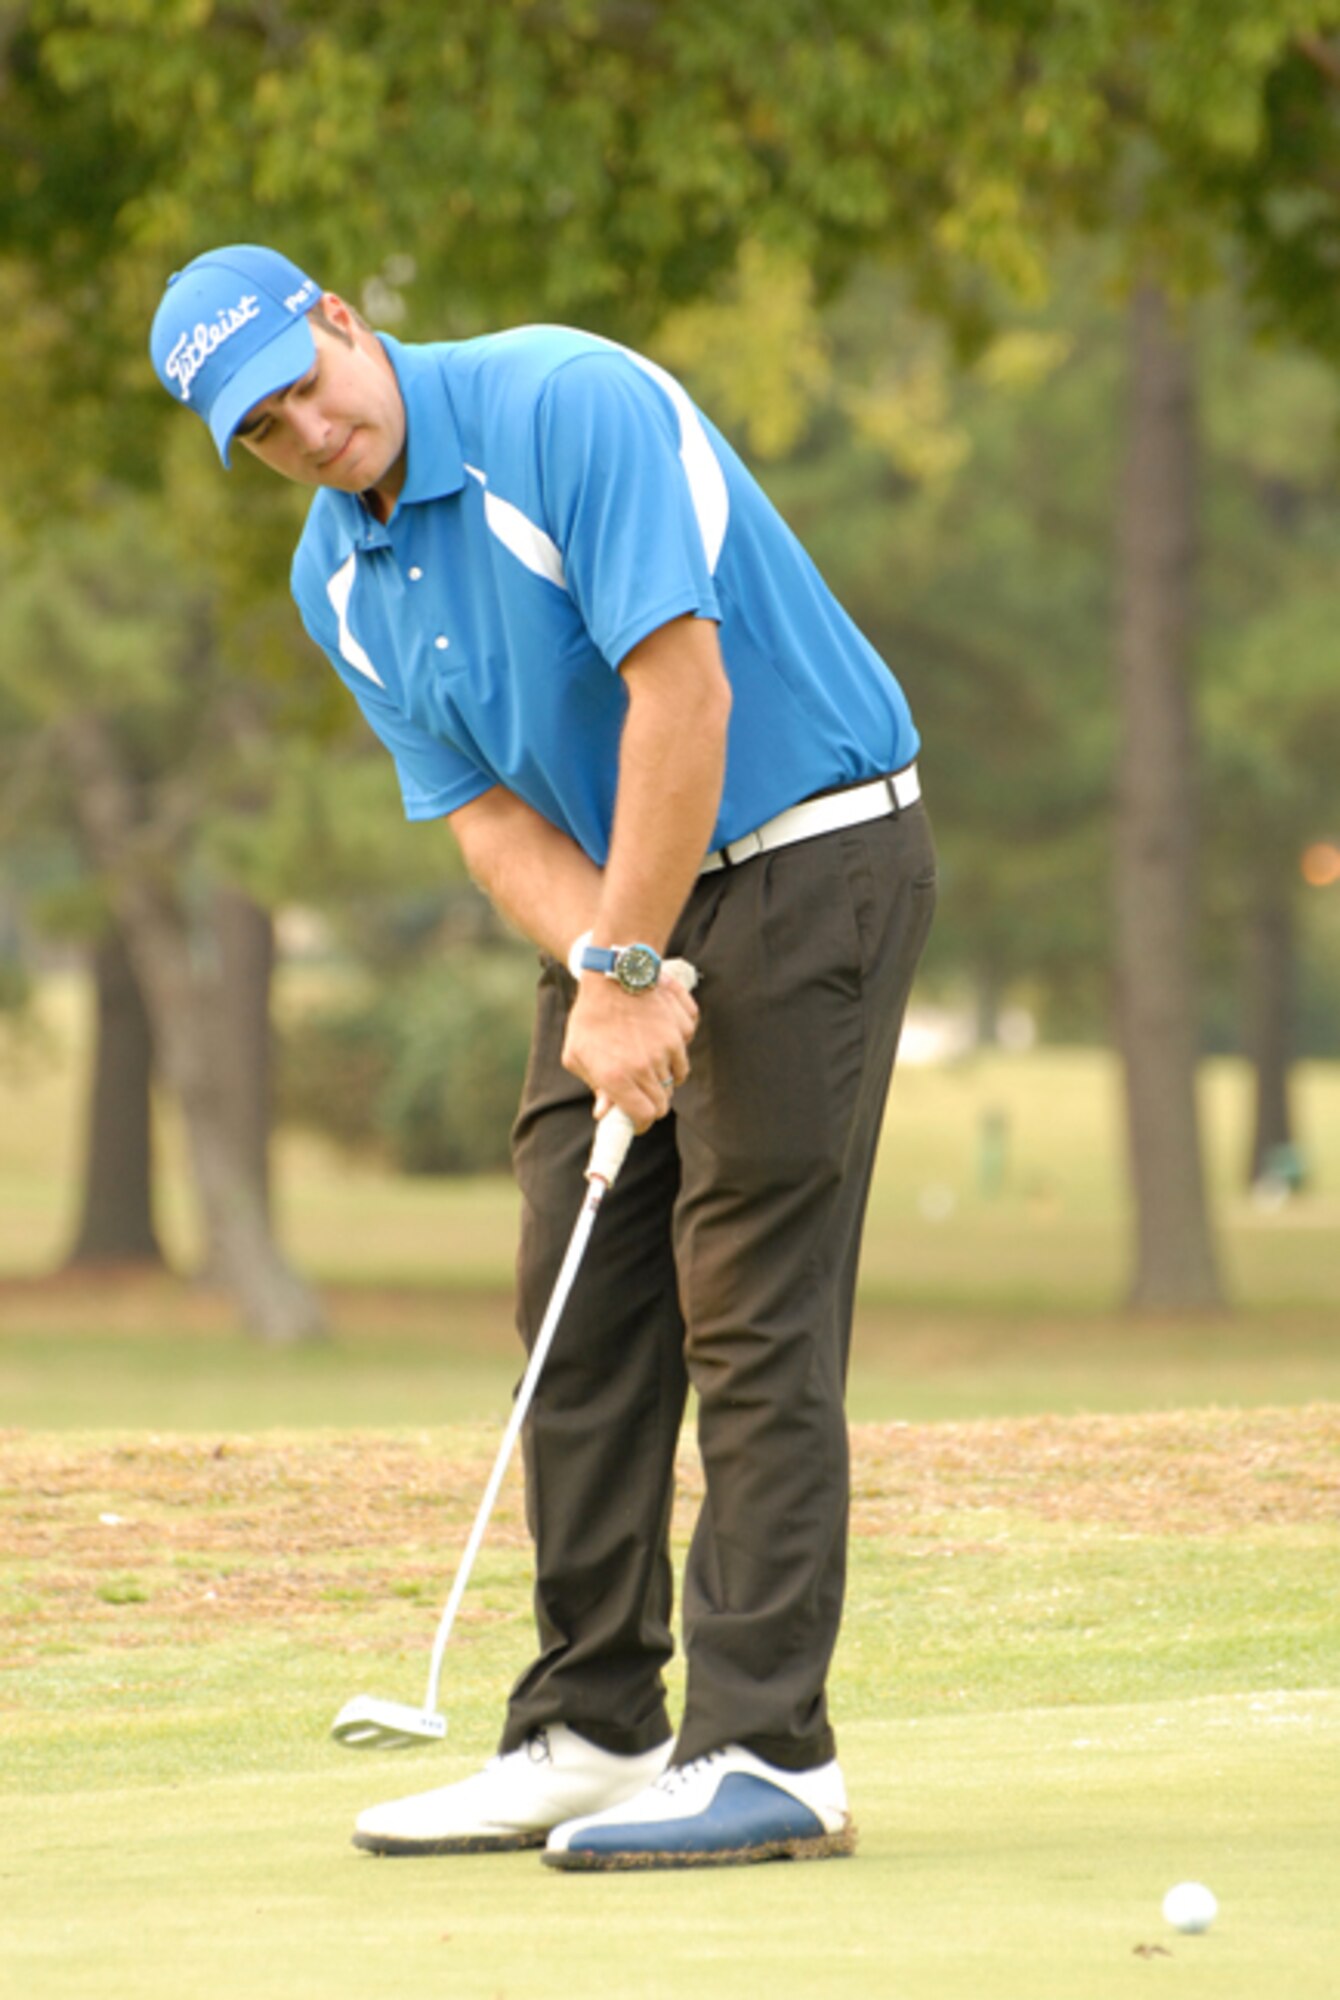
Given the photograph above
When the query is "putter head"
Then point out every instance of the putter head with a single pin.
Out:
(368, 1724)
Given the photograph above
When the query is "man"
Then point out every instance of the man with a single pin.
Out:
(593, 647)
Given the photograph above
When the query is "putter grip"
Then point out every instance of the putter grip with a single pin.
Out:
(614, 1132)
(614, 1135)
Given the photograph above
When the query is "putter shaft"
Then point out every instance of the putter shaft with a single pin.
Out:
(598, 1184)
(366, 1723)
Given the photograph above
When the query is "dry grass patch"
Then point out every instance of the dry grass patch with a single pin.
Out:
(129, 1540)
(1200, 1472)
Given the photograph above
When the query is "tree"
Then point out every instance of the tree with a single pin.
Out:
(599, 160)
(1156, 823)
(958, 508)
(244, 935)
(116, 1224)
(1273, 738)
(965, 515)
(123, 682)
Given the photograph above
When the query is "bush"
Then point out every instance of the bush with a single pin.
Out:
(430, 1070)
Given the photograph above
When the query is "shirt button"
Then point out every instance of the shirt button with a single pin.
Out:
(441, 643)
(416, 574)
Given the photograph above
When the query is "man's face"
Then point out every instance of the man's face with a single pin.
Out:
(342, 424)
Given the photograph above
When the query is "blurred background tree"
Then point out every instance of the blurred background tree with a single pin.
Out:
(879, 210)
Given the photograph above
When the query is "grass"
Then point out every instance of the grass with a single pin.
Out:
(149, 1353)
(1084, 1658)
(1003, 1858)
(1092, 1644)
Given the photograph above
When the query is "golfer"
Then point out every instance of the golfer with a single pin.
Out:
(596, 651)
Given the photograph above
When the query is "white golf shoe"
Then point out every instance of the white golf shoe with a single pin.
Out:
(726, 1807)
(514, 1801)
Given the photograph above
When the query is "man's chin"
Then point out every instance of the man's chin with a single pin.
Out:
(357, 469)
(349, 472)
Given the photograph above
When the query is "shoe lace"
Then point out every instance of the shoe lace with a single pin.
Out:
(679, 1775)
(537, 1746)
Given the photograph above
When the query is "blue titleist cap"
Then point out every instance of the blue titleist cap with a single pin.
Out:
(231, 330)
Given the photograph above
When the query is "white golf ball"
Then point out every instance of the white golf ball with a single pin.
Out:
(1190, 1907)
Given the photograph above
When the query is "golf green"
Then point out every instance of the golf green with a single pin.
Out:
(1018, 1854)
(1085, 1658)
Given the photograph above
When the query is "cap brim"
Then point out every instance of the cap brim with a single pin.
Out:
(278, 364)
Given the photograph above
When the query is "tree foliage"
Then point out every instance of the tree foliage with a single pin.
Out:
(616, 162)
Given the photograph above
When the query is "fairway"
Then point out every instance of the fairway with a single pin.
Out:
(1085, 1658)
(1092, 1645)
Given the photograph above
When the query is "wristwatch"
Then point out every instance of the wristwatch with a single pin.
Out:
(636, 966)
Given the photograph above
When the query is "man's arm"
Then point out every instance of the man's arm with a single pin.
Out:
(672, 764)
(672, 761)
(532, 872)
(544, 884)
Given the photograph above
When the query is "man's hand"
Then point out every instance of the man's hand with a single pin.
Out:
(633, 1049)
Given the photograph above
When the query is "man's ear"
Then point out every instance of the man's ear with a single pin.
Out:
(337, 312)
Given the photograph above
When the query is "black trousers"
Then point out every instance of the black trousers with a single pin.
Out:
(724, 1258)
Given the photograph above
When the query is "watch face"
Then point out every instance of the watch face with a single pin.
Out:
(636, 968)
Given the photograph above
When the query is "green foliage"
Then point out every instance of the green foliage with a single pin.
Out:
(593, 160)
(757, 351)
(1279, 200)
(114, 613)
(1270, 681)
(429, 1068)
(613, 164)
(963, 511)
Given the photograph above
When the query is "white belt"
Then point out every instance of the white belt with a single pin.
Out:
(822, 815)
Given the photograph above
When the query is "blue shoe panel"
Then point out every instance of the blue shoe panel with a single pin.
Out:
(746, 1812)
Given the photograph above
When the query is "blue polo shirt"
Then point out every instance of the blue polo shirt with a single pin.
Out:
(563, 498)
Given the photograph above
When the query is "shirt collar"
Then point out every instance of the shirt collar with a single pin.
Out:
(435, 465)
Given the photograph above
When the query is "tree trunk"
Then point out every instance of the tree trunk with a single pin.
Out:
(246, 953)
(1270, 1025)
(116, 1224)
(237, 959)
(183, 993)
(1174, 1262)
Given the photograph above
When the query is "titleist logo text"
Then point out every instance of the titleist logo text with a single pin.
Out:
(193, 350)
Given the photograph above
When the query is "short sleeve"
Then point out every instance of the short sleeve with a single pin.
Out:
(634, 497)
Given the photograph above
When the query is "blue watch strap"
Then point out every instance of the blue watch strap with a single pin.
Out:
(599, 958)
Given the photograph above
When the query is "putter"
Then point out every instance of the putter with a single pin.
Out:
(366, 1722)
